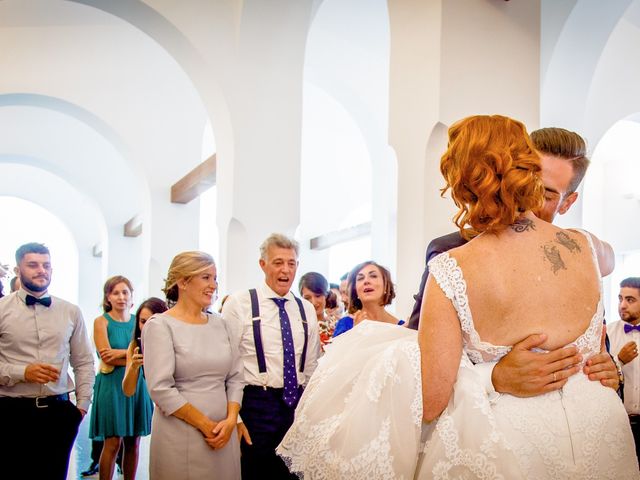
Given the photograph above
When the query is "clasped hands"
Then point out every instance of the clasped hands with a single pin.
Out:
(217, 434)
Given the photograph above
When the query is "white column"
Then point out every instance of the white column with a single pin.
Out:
(450, 59)
(259, 192)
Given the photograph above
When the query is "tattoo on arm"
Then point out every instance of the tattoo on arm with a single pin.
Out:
(552, 254)
(523, 225)
(566, 241)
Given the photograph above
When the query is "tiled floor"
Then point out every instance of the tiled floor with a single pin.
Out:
(81, 455)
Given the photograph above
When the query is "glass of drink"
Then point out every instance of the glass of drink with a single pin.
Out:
(56, 362)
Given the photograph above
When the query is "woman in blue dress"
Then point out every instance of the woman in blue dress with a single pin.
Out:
(116, 418)
(370, 290)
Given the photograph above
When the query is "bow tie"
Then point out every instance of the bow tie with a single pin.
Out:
(628, 327)
(31, 300)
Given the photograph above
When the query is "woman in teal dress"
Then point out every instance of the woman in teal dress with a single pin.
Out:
(116, 418)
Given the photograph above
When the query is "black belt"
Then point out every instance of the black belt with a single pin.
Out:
(260, 387)
(270, 389)
(37, 402)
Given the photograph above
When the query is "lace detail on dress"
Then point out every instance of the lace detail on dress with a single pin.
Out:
(579, 432)
(361, 413)
(382, 373)
(452, 452)
(449, 278)
(412, 351)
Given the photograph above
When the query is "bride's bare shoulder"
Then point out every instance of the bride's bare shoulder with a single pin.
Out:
(603, 250)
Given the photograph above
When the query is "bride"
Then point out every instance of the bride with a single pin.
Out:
(362, 413)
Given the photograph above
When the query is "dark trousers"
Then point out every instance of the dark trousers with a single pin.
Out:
(38, 435)
(634, 420)
(267, 418)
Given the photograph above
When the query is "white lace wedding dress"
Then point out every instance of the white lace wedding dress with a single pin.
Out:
(360, 416)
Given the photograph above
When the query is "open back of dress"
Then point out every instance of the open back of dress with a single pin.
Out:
(578, 432)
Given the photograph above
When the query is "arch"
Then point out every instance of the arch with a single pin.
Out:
(348, 61)
(169, 37)
(84, 119)
(567, 81)
(611, 186)
(85, 223)
(66, 108)
(50, 230)
(433, 182)
(69, 164)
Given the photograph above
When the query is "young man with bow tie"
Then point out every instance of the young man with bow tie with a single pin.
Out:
(625, 337)
(40, 337)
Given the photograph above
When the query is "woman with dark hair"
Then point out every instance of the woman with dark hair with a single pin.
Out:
(315, 288)
(115, 418)
(517, 276)
(132, 379)
(370, 290)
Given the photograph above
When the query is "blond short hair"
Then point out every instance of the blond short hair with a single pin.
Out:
(278, 240)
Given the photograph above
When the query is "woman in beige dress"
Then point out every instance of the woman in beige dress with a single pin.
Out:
(194, 377)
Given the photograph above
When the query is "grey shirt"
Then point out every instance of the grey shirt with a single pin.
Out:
(31, 334)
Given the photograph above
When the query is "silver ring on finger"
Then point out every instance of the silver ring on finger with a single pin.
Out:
(554, 377)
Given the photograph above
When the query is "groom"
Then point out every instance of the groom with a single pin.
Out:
(522, 372)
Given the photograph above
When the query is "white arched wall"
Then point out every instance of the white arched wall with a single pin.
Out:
(200, 45)
(440, 224)
(589, 89)
(347, 63)
(336, 175)
(612, 200)
(49, 230)
(253, 52)
(85, 222)
(66, 140)
(436, 78)
(155, 122)
(263, 195)
(51, 142)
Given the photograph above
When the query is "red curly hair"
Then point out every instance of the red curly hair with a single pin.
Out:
(493, 172)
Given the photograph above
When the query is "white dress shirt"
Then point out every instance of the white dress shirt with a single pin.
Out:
(31, 334)
(237, 314)
(631, 370)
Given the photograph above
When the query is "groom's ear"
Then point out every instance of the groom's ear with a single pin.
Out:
(567, 202)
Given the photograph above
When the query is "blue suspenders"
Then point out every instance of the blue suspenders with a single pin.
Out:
(257, 335)
(303, 357)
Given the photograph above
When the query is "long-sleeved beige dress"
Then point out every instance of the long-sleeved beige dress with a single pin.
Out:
(196, 364)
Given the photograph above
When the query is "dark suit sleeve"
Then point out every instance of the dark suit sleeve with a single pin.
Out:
(436, 247)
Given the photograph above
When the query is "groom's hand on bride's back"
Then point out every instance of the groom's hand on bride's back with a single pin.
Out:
(524, 373)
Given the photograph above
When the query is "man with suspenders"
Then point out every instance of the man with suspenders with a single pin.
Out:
(277, 336)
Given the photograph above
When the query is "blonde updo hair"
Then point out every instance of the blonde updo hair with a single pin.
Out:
(185, 265)
(493, 172)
